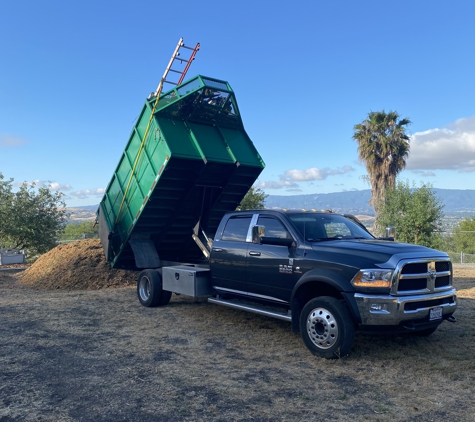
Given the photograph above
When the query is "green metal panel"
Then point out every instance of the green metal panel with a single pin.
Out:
(178, 138)
(242, 147)
(196, 164)
(213, 145)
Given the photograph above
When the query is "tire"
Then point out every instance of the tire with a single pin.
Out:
(327, 328)
(149, 289)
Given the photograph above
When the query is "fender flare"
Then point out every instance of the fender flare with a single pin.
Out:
(331, 278)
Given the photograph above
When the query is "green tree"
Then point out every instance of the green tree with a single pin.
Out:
(415, 212)
(254, 200)
(76, 230)
(383, 146)
(464, 236)
(30, 217)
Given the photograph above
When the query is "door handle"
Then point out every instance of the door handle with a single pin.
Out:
(252, 253)
(217, 250)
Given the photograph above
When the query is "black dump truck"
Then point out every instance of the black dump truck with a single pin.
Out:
(169, 212)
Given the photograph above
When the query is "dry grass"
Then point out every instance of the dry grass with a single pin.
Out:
(99, 355)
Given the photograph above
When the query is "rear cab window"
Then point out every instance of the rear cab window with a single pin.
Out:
(236, 229)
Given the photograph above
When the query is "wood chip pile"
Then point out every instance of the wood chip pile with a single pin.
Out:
(77, 265)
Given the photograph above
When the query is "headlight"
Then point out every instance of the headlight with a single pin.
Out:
(373, 278)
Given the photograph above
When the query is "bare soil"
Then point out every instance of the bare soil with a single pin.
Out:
(95, 354)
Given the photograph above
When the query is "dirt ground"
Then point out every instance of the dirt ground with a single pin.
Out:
(98, 355)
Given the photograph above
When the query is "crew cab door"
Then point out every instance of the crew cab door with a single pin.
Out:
(272, 268)
(229, 255)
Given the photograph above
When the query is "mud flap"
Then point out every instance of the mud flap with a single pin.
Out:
(145, 254)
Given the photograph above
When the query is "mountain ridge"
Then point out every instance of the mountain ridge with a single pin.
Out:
(456, 201)
(357, 202)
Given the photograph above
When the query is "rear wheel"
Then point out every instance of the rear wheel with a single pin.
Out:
(149, 289)
(327, 328)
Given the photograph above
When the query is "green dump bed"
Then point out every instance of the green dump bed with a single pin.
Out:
(195, 164)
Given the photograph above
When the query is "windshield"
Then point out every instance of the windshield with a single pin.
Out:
(320, 227)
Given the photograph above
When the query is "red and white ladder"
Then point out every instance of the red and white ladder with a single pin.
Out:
(173, 62)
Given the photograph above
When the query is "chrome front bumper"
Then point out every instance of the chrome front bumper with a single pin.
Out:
(392, 310)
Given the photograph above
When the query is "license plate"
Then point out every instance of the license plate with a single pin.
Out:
(435, 313)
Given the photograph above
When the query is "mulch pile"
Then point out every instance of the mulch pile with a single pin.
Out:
(79, 265)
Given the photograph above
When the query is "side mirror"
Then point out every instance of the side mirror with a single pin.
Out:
(391, 232)
(279, 241)
(259, 237)
(258, 232)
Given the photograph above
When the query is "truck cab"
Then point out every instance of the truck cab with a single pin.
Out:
(292, 259)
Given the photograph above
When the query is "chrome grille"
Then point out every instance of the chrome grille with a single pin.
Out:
(442, 266)
(414, 268)
(423, 276)
(442, 281)
(412, 284)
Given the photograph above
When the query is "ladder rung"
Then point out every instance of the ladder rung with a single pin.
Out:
(174, 57)
(189, 48)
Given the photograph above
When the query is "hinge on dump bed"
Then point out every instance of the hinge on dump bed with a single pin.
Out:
(204, 248)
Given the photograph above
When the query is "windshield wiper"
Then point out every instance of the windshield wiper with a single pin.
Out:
(323, 239)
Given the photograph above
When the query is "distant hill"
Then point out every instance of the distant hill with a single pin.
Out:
(84, 213)
(456, 201)
(353, 202)
(357, 202)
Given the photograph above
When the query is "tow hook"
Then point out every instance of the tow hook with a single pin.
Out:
(451, 318)
(409, 327)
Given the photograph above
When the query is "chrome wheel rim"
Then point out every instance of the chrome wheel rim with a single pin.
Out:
(322, 328)
(144, 288)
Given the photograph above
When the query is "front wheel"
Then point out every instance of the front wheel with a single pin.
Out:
(149, 289)
(327, 328)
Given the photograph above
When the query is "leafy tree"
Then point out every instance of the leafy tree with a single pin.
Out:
(415, 212)
(76, 230)
(464, 236)
(254, 200)
(30, 217)
(383, 146)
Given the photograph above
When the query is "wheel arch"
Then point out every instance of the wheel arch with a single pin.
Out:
(318, 283)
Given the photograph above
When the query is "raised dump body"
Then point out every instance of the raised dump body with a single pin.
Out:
(196, 163)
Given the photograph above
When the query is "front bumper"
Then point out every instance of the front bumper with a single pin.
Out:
(386, 310)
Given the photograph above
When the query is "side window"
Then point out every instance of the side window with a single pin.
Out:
(236, 229)
(274, 228)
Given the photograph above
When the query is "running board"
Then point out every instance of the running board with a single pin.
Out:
(253, 309)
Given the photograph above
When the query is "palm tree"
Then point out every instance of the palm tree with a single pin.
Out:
(384, 147)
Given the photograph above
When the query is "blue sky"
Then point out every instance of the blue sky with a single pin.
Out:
(74, 76)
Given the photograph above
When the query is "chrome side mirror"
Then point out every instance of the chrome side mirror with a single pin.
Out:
(257, 233)
(391, 232)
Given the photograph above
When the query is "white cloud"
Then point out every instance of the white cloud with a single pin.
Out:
(424, 173)
(10, 141)
(313, 173)
(86, 193)
(451, 148)
(290, 177)
(272, 184)
(43, 183)
(60, 186)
